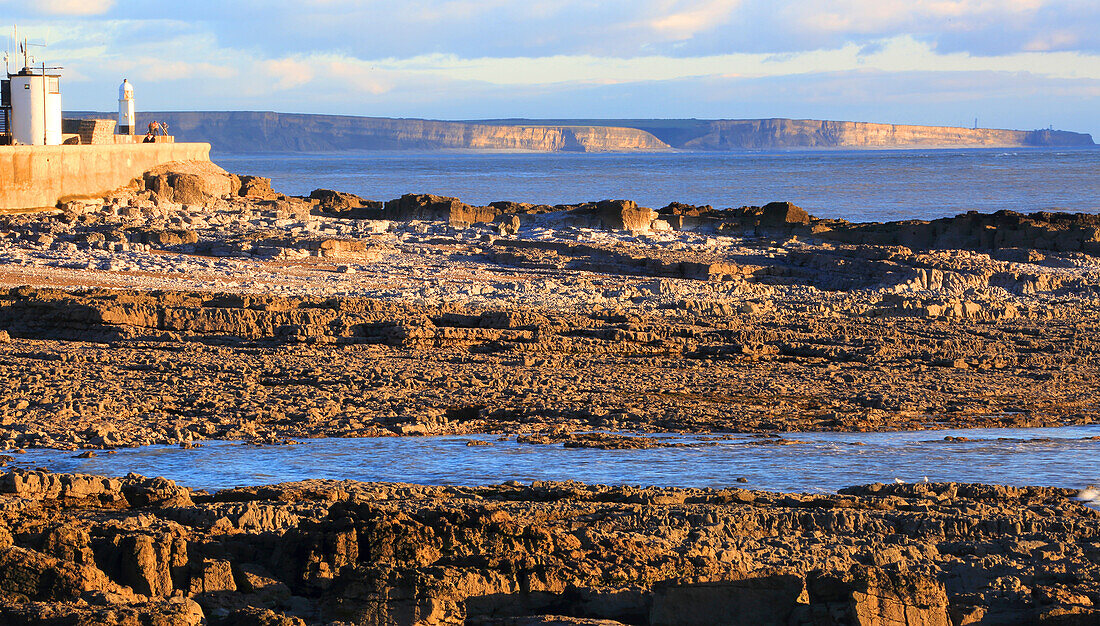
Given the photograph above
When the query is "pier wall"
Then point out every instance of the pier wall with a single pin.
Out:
(33, 177)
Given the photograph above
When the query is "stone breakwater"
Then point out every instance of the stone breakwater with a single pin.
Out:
(77, 549)
(196, 305)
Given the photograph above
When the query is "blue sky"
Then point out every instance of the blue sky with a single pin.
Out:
(1009, 63)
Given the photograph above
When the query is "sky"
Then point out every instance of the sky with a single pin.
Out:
(1021, 64)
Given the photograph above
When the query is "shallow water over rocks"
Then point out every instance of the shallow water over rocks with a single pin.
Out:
(796, 462)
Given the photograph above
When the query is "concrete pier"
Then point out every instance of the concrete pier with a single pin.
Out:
(37, 177)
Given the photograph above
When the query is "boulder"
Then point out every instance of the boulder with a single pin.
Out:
(437, 208)
(36, 576)
(256, 187)
(624, 215)
(190, 182)
(783, 214)
(345, 205)
(866, 595)
(161, 237)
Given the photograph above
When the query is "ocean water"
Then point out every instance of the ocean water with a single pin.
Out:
(863, 185)
(1064, 457)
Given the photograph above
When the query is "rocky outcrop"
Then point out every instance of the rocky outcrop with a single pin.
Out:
(1003, 230)
(345, 205)
(606, 214)
(550, 553)
(256, 187)
(195, 182)
(1007, 233)
(428, 207)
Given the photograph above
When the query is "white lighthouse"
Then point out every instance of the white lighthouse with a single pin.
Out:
(125, 108)
(35, 107)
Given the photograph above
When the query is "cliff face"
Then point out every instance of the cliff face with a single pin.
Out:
(782, 133)
(249, 131)
(244, 131)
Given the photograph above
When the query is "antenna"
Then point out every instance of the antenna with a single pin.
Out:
(29, 60)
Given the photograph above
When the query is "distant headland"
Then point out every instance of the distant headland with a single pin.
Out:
(252, 131)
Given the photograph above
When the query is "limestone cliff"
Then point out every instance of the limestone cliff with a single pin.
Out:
(245, 131)
(783, 133)
(250, 131)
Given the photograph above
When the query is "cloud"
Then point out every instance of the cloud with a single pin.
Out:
(1054, 40)
(357, 76)
(684, 22)
(287, 73)
(156, 70)
(70, 7)
(371, 29)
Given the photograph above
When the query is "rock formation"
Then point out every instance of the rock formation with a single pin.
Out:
(79, 549)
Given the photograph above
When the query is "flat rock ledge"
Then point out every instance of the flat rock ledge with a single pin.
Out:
(88, 550)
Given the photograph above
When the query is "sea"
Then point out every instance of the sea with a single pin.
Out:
(857, 185)
(1063, 456)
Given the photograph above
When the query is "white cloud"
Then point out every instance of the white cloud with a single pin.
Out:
(685, 22)
(1054, 40)
(74, 7)
(897, 55)
(357, 76)
(287, 73)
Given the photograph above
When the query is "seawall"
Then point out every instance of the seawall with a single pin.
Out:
(33, 177)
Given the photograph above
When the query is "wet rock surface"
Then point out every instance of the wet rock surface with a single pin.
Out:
(77, 548)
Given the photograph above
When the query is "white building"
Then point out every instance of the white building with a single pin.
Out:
(126, 108)
(35, 102)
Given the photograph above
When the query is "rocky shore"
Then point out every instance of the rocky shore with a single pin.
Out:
(199, 305)
(78, 549)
